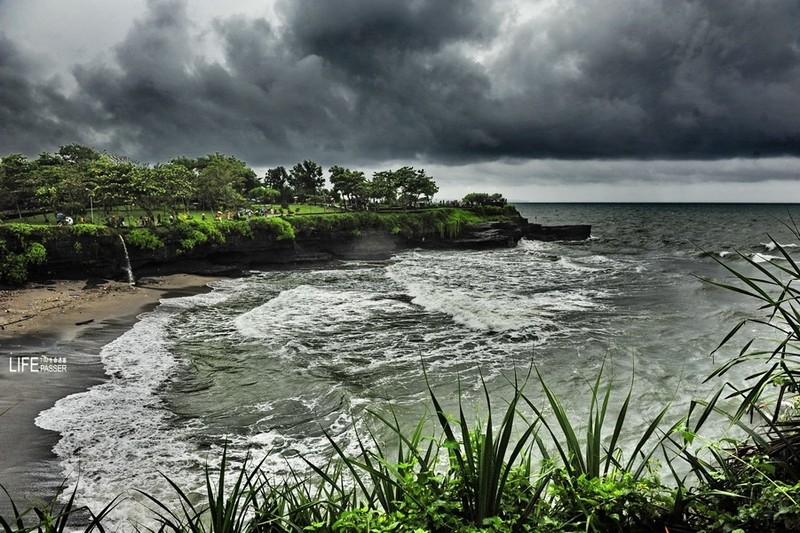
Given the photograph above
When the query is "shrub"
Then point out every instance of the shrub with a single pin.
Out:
(227, 509)
(35, 254)
(15, 259)
(441, 222)
(13, 269)
(193, 232)
(88, 229)
(274, 227)
(144, 239)
(234, 227)
(618, 502)
(20, 230)
(192, 238)
(752, 484)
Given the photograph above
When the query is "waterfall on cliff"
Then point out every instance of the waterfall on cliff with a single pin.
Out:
(128, 269)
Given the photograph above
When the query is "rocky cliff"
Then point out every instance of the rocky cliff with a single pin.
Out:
(105, 252)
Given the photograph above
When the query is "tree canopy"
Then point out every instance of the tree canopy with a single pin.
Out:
(76, 176)
(482, 198)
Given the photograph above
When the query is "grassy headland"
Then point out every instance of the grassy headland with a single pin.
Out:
(46, 250)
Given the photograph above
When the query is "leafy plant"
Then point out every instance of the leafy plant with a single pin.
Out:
(14, 264)
(193, 232)
(591, 457)
(273, 227)
(88, 229)
(235, 227)
(593, 483)
(773, 285)
(227, 509)
(35, 254)
(486, 463)
(144, 239)
(738, 476)
(617, 502)
(52, 517)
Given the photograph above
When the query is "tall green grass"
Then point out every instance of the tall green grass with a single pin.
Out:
(54, 517)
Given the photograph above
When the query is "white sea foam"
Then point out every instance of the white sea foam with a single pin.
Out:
(578, 265)
(198, 300)
(772, 245)
(494, 298)
(119, 435)
(534, 246)
(309, 308)
(469, 309)
(764, 258)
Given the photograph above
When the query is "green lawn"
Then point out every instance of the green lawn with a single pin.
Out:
(132, 214)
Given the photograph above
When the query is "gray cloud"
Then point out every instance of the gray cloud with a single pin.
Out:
(365, 81)
(33, 115)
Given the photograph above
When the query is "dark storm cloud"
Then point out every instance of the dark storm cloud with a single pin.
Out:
(649, 79)
(33, 115)
(371, 80)
(163, 98)
(361, 81)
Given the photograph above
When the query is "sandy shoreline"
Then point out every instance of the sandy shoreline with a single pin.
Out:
(64, 308)
(64, 324)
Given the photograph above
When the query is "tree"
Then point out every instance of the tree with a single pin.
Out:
(220, 180)
(109, 182)
(71, 191)
(382, 188)
(78, 177)
(163, 186)
(78, 154)
(176, 186)
(16, 183)
(278, 179)
(186, 162)
(482, 198)
(146, 189)
(414, 185)
(265, 195)
(306, 179)
(352, 185)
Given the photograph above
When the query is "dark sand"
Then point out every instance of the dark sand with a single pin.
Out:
(48, 321)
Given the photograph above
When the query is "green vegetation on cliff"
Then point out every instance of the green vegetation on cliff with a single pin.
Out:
(445, 222)
(24, 247)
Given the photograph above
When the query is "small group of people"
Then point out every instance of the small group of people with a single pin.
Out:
(242, 214)
(146, 221)
(63, 220)
(116, 222)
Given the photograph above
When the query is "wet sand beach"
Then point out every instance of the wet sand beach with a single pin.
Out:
(50, 339)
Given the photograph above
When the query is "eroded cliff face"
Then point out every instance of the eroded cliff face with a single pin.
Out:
(102, 254)
(243, 254)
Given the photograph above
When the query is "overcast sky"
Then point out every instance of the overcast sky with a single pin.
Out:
(552, 100)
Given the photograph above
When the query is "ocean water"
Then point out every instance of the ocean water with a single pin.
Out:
(270, 363)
